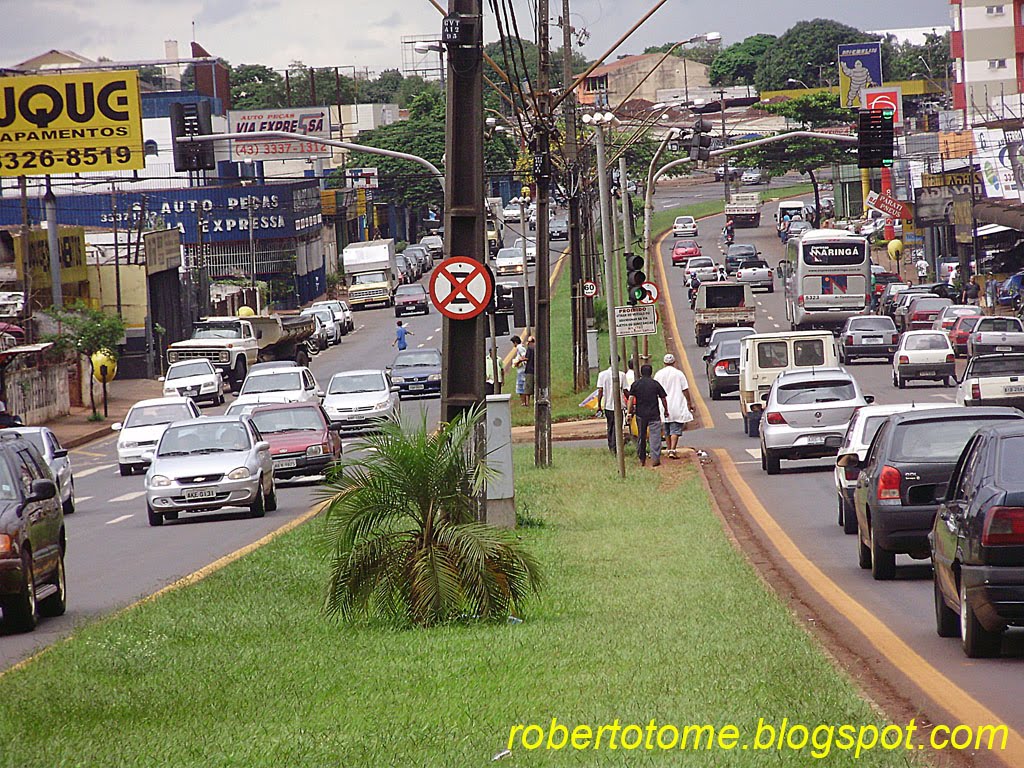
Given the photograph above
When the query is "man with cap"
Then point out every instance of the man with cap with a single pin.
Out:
(680, 405)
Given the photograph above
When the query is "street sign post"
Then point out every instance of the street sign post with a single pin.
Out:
(589, 289)
(460, 288)
(652, 293)
(639, 320)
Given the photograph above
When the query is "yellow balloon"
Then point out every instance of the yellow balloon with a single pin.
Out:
(895, 248)
(103, 361)
(246, 312)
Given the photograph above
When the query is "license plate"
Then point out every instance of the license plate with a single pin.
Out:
(926, 373)
(416, 386)
(284, 463)
(872, 339)
(1004, 349)
(193, 494)
(816, 440)
(1015, 389)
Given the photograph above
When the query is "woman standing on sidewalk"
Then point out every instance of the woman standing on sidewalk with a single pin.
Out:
(519, 364)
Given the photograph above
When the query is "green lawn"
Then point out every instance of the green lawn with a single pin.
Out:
(648, 612)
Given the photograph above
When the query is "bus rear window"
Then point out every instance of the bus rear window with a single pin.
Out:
(834, 254)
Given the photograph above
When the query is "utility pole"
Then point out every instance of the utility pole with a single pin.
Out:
(252, 257)
(117, 250)
(627, 245)
(53, 241)
(26, 255)
(542, 317)
(725, 158)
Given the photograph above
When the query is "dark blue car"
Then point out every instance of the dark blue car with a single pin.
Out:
(1010, 290)
(417, 372)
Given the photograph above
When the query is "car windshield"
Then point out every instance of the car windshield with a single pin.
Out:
(559, 222)
(926, 305)
(185, 370)
(324, 314)
(368, 277)
(216, 332)
(871, 427)
(994, 366)
(418, 360)
(289, 420)
(721, 336)
(348, 384)
(8, 490)
(510, 253)
(272, 382)
(433, 240)
(927, 341)
(701, 262)
(938, 440)
(810, 392)
(201, 437)
(410, 290)
(151, 415)
(529, 243)
(872, 324)
(737, 251)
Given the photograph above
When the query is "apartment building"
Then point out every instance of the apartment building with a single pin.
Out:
(987, 47)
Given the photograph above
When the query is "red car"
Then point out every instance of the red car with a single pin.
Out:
(960, 331)
(683, 250)
(302, 441)
(883, 279)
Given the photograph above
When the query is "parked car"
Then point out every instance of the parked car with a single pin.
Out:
(342, 313)
(722, 366)
(422, 255)
(32, 577)
(512, 213)
(752, 176)
(411, 298)
(903, 477)
(960, 332)
(302, 439)
(685, 226)
(757, 274)
(558, 228)
(977, 542)
(509, 261)
(56, 458)
(993, 380)
(143, 426)
(207, 464)
(405, 271)
(923, 355)
(332, 324)
(360, 401)
(280, 385)
(197, 379)
(683, 250)
(867, 336)
(417, 372)
(434, 244)
(806, 415)
(531, 249)
(737, 253)
(949, 314)
(1010, 291)
(796, 228)
(703, 266)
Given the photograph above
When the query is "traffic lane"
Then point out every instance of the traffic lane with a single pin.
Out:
(904, 605)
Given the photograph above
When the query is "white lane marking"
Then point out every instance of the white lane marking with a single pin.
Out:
(419, 346)
(80, 499)
(430, 338)
(755, 452)
(760, 304)
(734, 416)
(942, 396)
(437, 330)
(776, 325)
(92, 470)
(120, 519)
(770, 317)
(128, 496)
(739, 463)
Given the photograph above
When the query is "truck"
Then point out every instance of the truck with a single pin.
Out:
(993, 380)
(996, 334)
(722, 305)
(371, 272)
(756, 273)
(745, 210)
(233, 344)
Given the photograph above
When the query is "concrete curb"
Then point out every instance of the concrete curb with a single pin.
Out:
(88, 437)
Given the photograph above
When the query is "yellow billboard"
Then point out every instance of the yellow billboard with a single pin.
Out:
(71, 241)
(70, 123)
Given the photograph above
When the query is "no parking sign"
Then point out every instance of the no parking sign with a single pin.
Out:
(460, 288)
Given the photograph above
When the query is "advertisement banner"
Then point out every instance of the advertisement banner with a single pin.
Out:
(163, 250)
(860, 67)
(885, 97)
(72, 256)
(70, 123)
(1012, 154)
(314, 122)
(987, 143)
(956, 145)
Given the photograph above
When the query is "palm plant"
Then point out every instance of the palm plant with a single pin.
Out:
(403, 538)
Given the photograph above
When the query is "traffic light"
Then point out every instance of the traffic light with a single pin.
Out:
(700, 142)
(503, 297)
(635, 278)
(192, 120)
(876, 138)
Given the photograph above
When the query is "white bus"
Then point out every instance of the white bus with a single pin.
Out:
(827, 275)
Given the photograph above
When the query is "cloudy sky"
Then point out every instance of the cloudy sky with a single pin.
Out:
(366, 33)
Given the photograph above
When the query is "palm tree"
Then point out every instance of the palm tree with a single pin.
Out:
(403, 537)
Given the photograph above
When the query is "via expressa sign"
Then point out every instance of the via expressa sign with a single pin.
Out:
(221, 214)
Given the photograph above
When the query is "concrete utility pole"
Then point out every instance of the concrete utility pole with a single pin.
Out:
(53, 241)
(542, 317)
(725, 158)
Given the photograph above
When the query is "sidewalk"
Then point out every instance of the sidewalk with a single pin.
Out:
(75, 429)
(588, 429)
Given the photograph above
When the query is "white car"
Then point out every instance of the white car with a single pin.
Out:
(993, 380)
(684, 226)
(197, 379)
(704, 267)
(509, 261)
(358, 401)
(923, 355)
(331, 321)
(294, 384)
(144, 426)
(531, 249)
(56, 457)
(511, 213)
(342, 313)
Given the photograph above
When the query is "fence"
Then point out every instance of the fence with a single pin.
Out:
(38, 394)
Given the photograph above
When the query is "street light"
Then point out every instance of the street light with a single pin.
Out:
(794, 81)
(425, 47)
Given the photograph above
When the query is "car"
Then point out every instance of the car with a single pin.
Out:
(867, 336)
(434, 244)
(197, 379)
(703, 266)
(682, 250)
(512, 213)
(922, 311)
(342, 313)
(411, 298)
(888, 297)
(737, 253)
(806, 415)
(1010, 291)
(733, 173)
(417, 372)
(531, 249)
(320, 339)
(903, 477)
(558, 228)
(923, 355)
(996, 379)
(902, 302)
(996, 334)
(960, 332)
(509, 261)
(405, 272)
(862, 430)
(757, 274)
(330, 321)
(797, 227)
(56, 458)
(143, 426)
(360, 401)
(882, 279)
(684, 226)
(752, 176)
(977, 542)
(302, 439)
(722, 366)
(32, 577)
(205, 465)
(280, 385)
(949, 314)
(736, 333)
(422, 256)
(272, 365)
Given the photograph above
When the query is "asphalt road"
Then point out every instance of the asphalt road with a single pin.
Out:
(802, 500)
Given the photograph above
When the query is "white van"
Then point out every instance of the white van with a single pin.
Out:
(763, 356)
(794, 208)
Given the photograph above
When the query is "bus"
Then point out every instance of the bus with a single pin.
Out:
(827, 277)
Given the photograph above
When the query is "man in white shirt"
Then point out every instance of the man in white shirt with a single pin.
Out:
(606, 403)
(922, 270)
(680, 406)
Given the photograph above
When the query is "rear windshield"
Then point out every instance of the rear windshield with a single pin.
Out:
(1004, 324)
(809, 352)
(871, 426)
(725, 296)
(872, 324)
(834, 254)
(753, 263)
(704, 261)
(927, 341)
(936, 440)
(811, 392)
(968, 323)
(960, 312)
(741, 251)
(996, 365)
(924, 305)
(728, 348)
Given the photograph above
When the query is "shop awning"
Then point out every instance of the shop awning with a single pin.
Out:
(991, 229)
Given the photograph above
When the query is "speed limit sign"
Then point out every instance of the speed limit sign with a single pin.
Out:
(589, 289)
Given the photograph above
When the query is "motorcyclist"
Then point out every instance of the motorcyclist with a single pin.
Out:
(694, 285)
(729, 232)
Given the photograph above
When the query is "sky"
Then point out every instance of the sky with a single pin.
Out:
(367, 34)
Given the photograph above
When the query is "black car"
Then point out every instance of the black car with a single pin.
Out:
(977, 542)
(411, 298)
(903, 477)
(722, 365)
(32, 539)
(417, 372)
(737, 254)
(558, 229)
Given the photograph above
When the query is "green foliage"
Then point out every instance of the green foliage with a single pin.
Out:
(86, 330)
(802, 50)
(255, 86)
(412, 86)
(702, 53)
(737, 64)
(906, 60)
(381, 90)
(403, 536)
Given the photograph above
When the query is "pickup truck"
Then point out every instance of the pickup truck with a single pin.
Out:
(993, 380)
(996, 334)
(722, 305)
(757, 274)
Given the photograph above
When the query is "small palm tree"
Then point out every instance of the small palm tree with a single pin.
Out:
(403, 537)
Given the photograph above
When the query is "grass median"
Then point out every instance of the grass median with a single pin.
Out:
(648, 612)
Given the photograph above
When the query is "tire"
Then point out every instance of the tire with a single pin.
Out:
(947, 622)
(715, 394)
(68, 507)
(21, 611)
(271, 499)
(220, 399)
(899, 381)
(772, 463)
(259, 507)
(771, 289)
(863, 553)
(978, 642)
(746, 425)
(947, 382)
(155, 518)
(883, 562)
(56, 604)
(849, 515)
(125, 469)
(238, 372)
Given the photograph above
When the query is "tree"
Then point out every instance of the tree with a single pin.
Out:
(737, 64)
(403, 538)
(256, 86)
(412, 86)
(383, 89)
(87, 331)
(805, 50)
(906, 59)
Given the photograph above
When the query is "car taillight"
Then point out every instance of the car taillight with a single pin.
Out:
(867, 298)
(800, 300)
(851, 473)
(889, 483)
(1003, 525)
(904, 360)
(918, 316)
(895, 338)
(950, 358)
(849, 340)
(774, 417)
(722, 365)
(976, 391)
(977, 337)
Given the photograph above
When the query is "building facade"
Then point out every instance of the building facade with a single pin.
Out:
(987, 47)
(610, 84)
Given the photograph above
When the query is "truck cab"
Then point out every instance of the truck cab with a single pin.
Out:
(229, 343)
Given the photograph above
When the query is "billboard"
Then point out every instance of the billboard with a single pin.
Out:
(860, 67)
(885, 97)
(163, 250)
(70, 123)
(314, 122)
(72, 256)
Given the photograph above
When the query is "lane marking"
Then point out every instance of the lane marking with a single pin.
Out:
(430, 338)
(93, 470)
(776, 325)
(128, 496)
(745, 463)
(80, 452)
(733, 416)
(419, 346)
(922, 674)
(770, 317)
(755, 452)
(120, 519)
(80, 499)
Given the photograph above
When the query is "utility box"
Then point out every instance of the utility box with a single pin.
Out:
(501, 502)
(593, 358)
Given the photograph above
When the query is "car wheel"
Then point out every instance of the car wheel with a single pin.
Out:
(746, 425)
(947, 623)
(978, 642)
(258, 508)
(771, 289)
(397, 313)
(155, 518)
(271, 501)
(68, 507)
(773, 464)
(125, 469)
(849, 517)
(715, 394)
(863, 552)
(21, 611)
(57, 603)
(238, 372)
(220, 399)
(883, 562)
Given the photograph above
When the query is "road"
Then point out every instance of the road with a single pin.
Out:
(114, 558)
(802, 501)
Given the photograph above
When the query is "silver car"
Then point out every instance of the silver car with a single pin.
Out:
(807, 414)
(359, 401)
(207, 464)
(422, 254)
(341, 311)
(57, 460)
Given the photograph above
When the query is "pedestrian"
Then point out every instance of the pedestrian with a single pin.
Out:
(530, 367)
(630, 376)
(644, 398)
(606, 403)
(922, 270)
(490, 376)
(680, 405)
(7, 419)
(400, 334)
(519, 364)
(972, 291)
